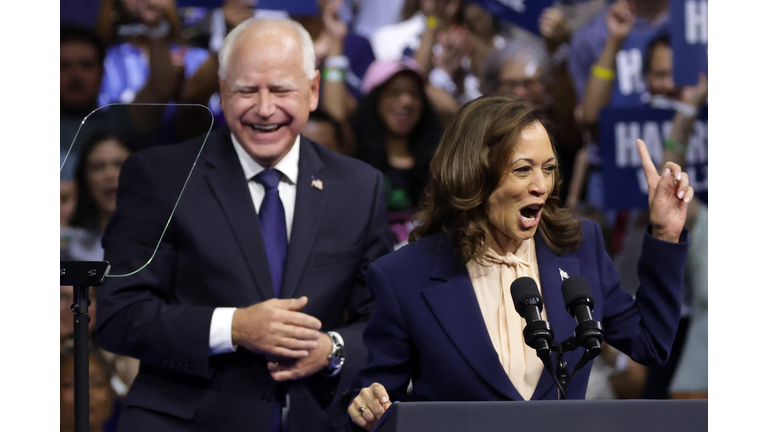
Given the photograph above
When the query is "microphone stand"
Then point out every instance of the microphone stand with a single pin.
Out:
(561, 375)
(81, 275)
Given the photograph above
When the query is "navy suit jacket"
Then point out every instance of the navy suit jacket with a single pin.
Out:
(213, 255)
(427, 325)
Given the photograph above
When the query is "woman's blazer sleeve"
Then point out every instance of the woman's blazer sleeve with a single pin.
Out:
(644, 327)
(386, 336)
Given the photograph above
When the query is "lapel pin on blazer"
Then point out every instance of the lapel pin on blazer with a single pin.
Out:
(563, 275)
(317, 183)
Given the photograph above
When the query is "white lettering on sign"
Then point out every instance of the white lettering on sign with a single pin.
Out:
(629, 68)
(653, 141)
(696, 21)
(626, 135)
(516, 5)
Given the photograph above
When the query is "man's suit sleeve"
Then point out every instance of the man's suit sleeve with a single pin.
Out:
(360, 302)
(644, 328)
(137, 315)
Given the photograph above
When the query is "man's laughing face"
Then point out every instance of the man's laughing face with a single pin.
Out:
(266, 95)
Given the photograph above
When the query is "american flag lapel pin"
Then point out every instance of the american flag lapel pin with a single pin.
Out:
(317, 183)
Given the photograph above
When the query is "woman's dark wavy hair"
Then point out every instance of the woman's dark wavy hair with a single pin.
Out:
(469, 164)
(86, 213)
(369, 130)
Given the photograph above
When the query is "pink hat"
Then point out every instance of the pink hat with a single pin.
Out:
(380, 71)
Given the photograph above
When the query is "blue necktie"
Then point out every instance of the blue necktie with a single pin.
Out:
(272, 220)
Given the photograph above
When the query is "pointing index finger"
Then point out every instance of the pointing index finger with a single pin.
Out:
(645, 158)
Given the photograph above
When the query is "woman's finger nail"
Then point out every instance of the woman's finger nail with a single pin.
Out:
(679, 176)
(680, 194)
(666, 173)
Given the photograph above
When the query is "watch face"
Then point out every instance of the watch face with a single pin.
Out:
(338, 352)
(336, 357)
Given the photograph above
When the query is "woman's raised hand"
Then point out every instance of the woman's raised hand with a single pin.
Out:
(668, 196)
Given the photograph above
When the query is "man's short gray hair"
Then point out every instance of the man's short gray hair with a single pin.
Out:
(533, 53)
(303, 37)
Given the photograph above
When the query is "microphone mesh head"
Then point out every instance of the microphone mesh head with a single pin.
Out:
(523, 290)
(574, 289)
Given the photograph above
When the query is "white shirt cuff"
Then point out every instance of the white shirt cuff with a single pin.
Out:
(220, 337)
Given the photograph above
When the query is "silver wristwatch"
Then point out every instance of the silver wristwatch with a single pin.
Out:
(336, 357)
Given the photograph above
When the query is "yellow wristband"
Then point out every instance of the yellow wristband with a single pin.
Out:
(432, 22)
(603, 73)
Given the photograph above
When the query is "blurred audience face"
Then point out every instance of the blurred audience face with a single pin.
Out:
(68, 192)
(528, 182)
(148, 11)
(479, 21)
(659, 77)
(102, 169)
(266, 95)
(100, 395)
(322, 132)
(80, 75)
(522, 78)
(400, 104)
(445, 10)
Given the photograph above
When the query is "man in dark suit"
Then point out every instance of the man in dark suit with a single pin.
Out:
(249, 315)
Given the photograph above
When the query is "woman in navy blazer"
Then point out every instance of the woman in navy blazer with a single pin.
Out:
(494, 184)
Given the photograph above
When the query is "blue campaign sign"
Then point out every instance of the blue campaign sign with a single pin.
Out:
(689, 40)
(524, 13)
(624, 183)
(630, 82)
(293, 7)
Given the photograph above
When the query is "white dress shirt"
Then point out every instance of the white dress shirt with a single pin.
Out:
(220, 337)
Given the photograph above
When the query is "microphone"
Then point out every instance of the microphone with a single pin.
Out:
(579, 303)
(537, 333)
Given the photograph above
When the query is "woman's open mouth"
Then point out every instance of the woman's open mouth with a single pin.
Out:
(530, 215)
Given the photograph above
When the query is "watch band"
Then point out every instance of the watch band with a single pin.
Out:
(337, 356)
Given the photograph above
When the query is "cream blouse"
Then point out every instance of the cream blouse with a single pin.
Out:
(491, 277)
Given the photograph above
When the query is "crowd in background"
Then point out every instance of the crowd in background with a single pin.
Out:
(143, 73)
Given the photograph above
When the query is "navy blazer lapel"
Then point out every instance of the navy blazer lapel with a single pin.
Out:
(455, 306)
(552, 269)
(310, 208)
(227, 181)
